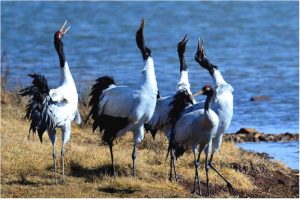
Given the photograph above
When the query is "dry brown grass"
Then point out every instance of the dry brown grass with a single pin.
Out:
(27, 167)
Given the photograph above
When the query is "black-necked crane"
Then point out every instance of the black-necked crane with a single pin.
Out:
(119, 109)
(49, 109)
(222, 105)
(196, 128)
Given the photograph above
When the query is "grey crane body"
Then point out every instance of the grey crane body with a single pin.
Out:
(197, 127)
(191, 122)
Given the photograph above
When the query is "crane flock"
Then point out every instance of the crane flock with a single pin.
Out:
(117, 109)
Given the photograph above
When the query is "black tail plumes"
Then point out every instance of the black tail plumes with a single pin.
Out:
(36, 109)
(101, 84)
(110, 125)
(181, 100)
(149, 128)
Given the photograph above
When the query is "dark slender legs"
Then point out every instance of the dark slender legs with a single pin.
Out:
(63, 161)
(54, 162)
(197, 179)
(173, 165)
(133, 160)
(207, 179)
(112, 159)
(210, 165)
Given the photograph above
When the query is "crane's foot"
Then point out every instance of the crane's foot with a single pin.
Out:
(208, 191)
(61, 182)
(231, 189)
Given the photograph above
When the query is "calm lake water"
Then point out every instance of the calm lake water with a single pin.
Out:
(255, 45)
(289, 155)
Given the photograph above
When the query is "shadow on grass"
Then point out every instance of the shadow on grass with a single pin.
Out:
(25, 182)
(117, 190)
(91, 173)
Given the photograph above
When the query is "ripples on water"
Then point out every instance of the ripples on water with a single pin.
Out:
(255, 45)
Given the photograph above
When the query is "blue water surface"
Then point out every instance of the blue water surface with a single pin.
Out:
(287, 152)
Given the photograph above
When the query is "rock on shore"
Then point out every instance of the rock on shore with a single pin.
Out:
(252, 135)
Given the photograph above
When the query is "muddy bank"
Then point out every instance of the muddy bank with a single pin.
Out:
(252, 135)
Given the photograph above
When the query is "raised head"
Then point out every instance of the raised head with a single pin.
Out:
(181, 50)
(58, 44)
(62, 31)
(181, 45)
(140, 42)
(201, 59)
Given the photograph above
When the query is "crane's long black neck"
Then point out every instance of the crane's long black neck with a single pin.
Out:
(208, 101)
(59, 47)
(146, 52)
(183, 66)
(210, 67)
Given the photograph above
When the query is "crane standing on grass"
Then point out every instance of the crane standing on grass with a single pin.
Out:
(197, 127)
(222, 105)
(49, 109)
(119, 109)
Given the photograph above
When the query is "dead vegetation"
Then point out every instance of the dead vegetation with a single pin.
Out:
(27, 170)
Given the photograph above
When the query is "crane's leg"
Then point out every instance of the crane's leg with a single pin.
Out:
(52, 137)
(112, 158)
(173, 165)
(63, 161)
(54, 162)
(197, 180)
(207, 150)
(133, 160)
(66, 133)
(206, 171)
(229, 185)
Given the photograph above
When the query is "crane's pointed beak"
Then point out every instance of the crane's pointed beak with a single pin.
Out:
(200, 92)
(63, 29)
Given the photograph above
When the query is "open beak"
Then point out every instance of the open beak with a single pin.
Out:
(201, 47)
(184, 40)
(200, 92)
(63, 29)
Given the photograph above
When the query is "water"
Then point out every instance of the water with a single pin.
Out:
(255, 45)
(287, 152)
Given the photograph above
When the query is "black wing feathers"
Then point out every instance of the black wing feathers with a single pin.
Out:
(108, 124)
(101, 84)
(36, 108)
(181, 100)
